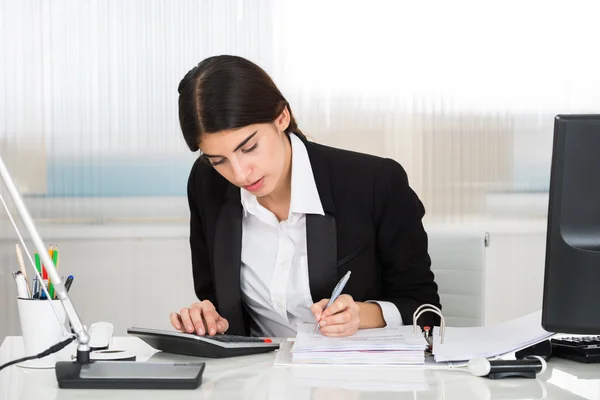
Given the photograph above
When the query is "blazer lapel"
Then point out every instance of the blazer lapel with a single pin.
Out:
(321, 246)
(321, 235)
(227, 260)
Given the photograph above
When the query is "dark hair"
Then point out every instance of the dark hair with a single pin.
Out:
(227, 92)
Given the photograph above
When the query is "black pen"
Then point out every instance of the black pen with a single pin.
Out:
(68, 282)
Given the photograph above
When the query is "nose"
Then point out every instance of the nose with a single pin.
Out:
(241, 171)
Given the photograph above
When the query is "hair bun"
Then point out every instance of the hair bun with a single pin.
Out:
(187, 79)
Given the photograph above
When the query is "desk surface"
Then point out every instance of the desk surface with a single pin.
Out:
(254, 377)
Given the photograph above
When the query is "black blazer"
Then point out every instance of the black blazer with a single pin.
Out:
(372, 226)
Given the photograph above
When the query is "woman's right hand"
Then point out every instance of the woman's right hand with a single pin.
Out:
(199, 318)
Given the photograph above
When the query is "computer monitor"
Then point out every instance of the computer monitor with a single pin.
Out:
(571, 300)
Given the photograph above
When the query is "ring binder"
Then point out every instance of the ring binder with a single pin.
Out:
(429, 308)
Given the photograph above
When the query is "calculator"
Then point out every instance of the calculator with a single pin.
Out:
(217, 346)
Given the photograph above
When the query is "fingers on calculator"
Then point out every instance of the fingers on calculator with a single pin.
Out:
(200, 318)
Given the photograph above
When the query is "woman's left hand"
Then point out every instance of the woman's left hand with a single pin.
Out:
(342, 318)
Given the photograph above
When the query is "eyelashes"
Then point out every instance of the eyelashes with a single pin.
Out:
(250, 149)
(221, 161)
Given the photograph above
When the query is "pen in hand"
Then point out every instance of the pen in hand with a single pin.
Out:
(335, 294)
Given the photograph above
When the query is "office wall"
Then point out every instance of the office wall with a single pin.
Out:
(136, 274)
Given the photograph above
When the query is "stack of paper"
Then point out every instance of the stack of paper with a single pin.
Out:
(364, 378)
(466, 343)
(384, 346)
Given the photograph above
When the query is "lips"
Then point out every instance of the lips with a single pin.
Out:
(254, 186)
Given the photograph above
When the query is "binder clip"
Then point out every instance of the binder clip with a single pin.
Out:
(429, 337)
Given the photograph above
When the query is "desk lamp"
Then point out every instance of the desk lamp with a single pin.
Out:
(82, 373)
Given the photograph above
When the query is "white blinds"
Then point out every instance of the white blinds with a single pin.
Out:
(461, 93)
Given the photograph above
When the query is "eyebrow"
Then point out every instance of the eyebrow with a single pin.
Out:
(239, 146)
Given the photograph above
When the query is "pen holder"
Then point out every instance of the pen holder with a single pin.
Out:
(41, 329)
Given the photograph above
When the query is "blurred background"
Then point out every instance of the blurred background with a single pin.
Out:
(463, 94)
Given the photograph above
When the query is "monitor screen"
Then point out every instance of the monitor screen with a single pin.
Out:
(571, 299)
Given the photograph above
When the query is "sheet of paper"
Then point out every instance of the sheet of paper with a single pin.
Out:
(308, 331)
(383, 346)
(400, 338)
(466, 343)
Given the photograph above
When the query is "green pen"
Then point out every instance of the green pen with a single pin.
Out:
(55, 261)
(38, 266)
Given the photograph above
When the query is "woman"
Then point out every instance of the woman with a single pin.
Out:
(277, 220)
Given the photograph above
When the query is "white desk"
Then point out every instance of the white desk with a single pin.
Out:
(254, 377)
